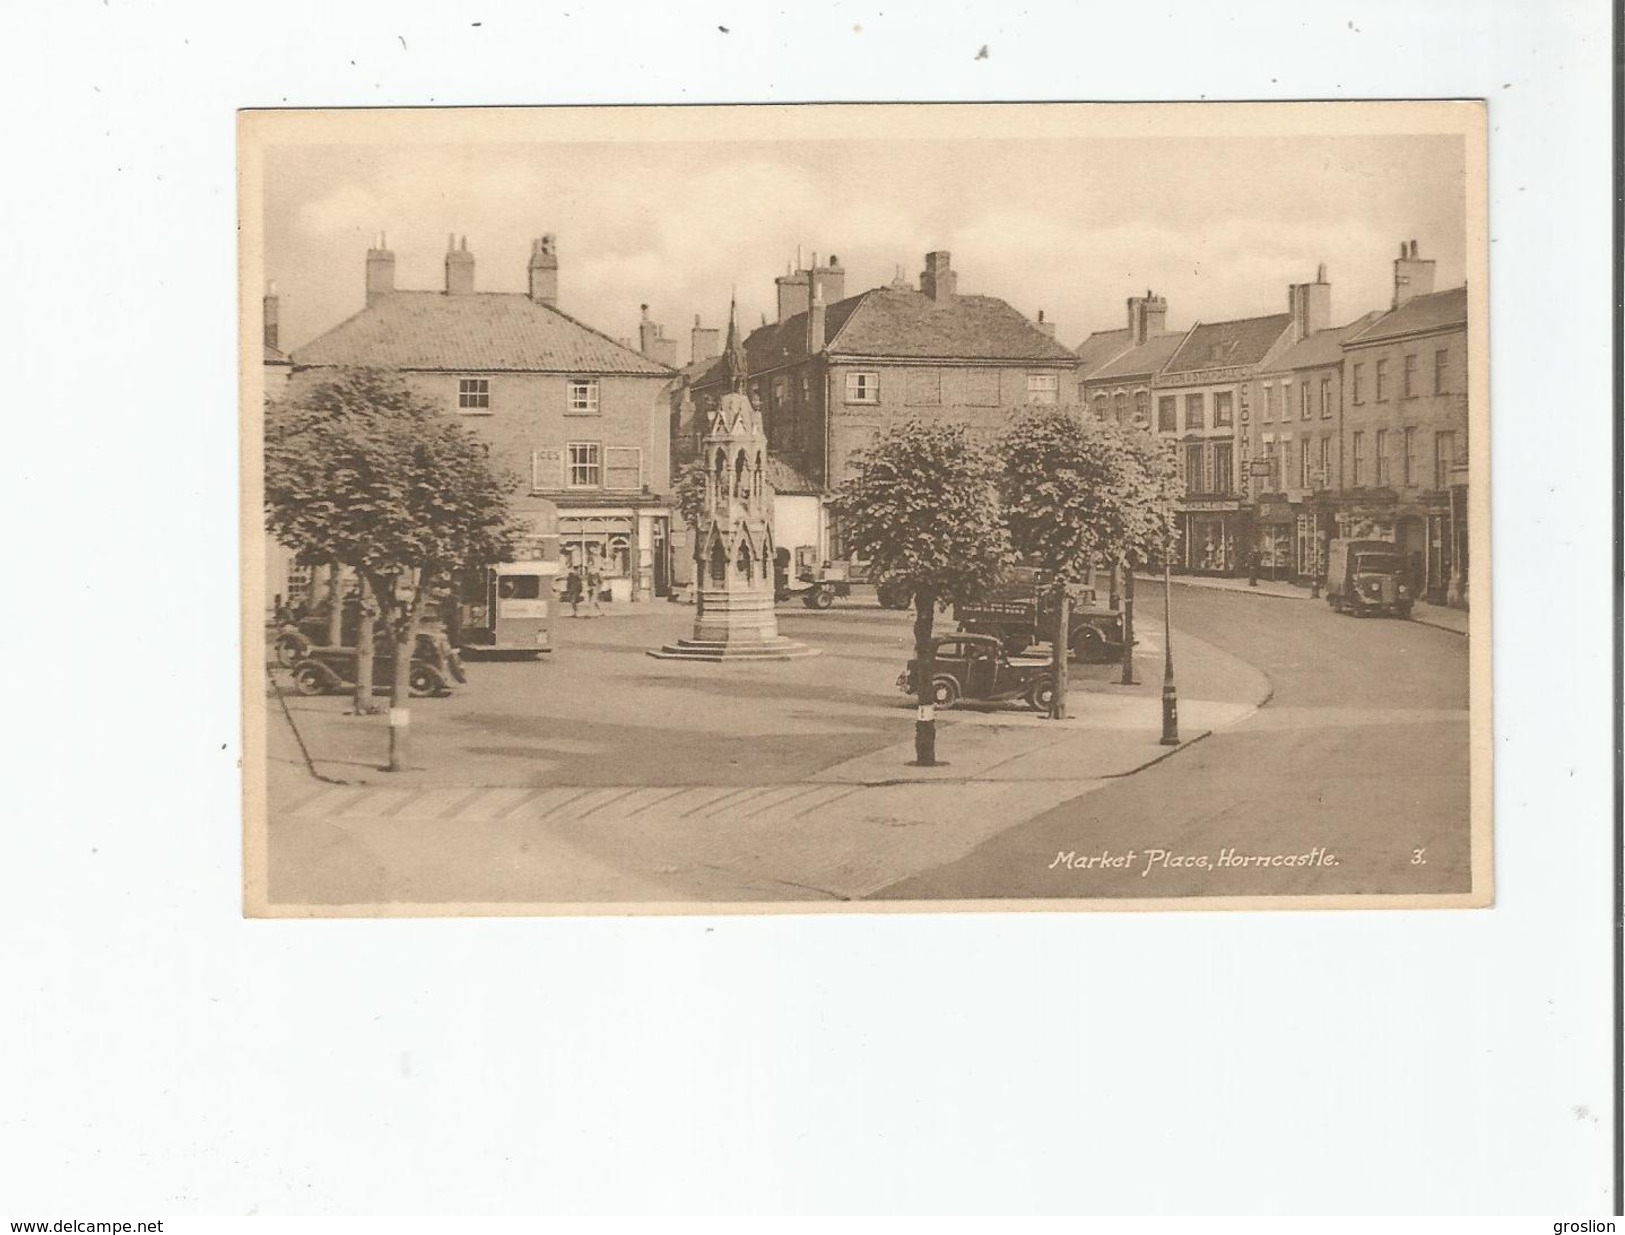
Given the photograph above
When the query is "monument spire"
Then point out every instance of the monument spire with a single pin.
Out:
(734, 353)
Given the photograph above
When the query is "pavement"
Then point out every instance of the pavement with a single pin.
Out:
(597, 775)
(1456, 620)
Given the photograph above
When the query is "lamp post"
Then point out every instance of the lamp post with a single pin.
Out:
(1170, 696)
(1129, 678)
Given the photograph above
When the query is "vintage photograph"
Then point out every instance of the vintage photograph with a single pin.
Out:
(865, 508)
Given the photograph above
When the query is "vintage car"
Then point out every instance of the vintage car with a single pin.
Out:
(1019, 614)
(976, 667)
(817, 586)
(435, 666)
(1367, 576)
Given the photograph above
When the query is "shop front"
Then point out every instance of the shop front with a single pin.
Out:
(1212, 537)
(1421, 530)
(628, 547)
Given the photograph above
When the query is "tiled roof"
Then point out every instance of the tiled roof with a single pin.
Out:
(1100, 347)
(486, 331)
(890, 321)
(785, 477)
(1434, 311)
(1142, 361)
(1214, 345)
(1324, 347)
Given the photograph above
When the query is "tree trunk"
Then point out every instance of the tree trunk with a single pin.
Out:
(335, 605)
(925, 667)
(364, 658)
(404, 623)
(1059, 651)
(1115, 600)
(1128, 627)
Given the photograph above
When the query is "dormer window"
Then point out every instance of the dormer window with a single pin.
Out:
(473, 394)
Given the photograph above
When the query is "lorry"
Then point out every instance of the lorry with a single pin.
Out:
(1365, 577)
(1019, 613)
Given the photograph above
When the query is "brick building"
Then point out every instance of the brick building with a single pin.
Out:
(1403, 439)
(581, 418)
(834, 371)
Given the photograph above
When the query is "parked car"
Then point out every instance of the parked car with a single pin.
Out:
(972, 666)
(1367, 576)
(1020, 613)
(818, 587)
(435, 666)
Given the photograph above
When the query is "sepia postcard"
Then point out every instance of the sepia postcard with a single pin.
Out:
(865, 508)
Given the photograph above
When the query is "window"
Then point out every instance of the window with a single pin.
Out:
(474, 394)
(1224, 467)
(1167, 413)
(1304, 410)
(583, 397)
(1382, 456)
(1272, 400)
(1043, 387)
(1408, 376)
(1358, 460)
(1354, 384)
(1325, 398)
(1382, 381)
(863, 388)
(1100, 407)
(1304, 470)
(1120, 407)
(1444, 458)
(1441, 362)
(1195, 411)
(1325, 462)
(586, 467)
(1223, 416)
(1142, 406)
(623, 468)
(1410, 456)
(1193, 469)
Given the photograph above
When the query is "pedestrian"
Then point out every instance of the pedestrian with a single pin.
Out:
(572, 590)
(595, 583)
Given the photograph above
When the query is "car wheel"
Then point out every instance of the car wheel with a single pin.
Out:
(425, 681)
(310, 679)
(1041, 694)
(944, 692)
(822, 599)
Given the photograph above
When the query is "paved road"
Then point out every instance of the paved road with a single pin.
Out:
(1362, 754)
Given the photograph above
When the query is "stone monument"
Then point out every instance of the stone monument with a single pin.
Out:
(733, 548)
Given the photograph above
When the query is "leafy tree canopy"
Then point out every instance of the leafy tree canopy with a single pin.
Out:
(1078, 491)
(924, 510)
(359, 469)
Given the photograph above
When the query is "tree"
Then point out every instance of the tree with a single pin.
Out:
(1077, 491)
(924, 510)
(361, 470)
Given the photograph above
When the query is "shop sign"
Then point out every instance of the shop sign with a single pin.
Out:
(1211, 507)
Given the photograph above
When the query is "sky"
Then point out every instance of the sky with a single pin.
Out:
(1219, 226)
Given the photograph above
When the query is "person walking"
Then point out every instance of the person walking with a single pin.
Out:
(595, 583)
(572, 590)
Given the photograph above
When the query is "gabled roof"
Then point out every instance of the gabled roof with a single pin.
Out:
(1142, 361)
(1434, 311)
(901, 322)
(482, 331)
(1216, 345)
(1324, 347)
(1100, 347)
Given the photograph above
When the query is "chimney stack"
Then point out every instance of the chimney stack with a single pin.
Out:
(938, 280)
(380, 270)
(815, 323)
(459, 268)
(544, 271)
(270, 306)
(653, 343)
(705, 342)
(1310, 305)
(1047, 327)
(1147, 317)
(1412, 275)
